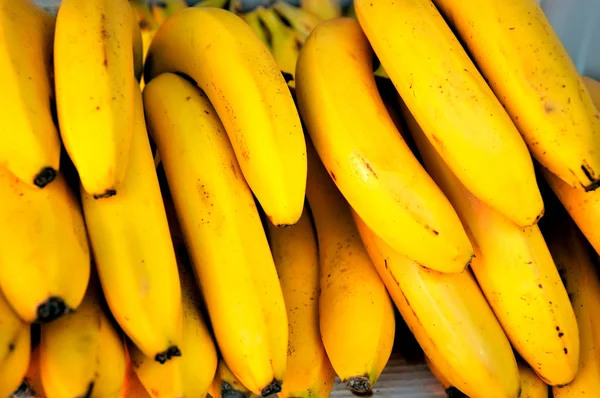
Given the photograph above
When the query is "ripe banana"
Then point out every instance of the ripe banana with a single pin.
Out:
(30, 144)
(516, 273)
(451, 320)
(32, 384)
(531, 385)
(583, 207)
(523, 60)
(212, 3)
(163, 9)
(309, 373)
(245, 85)
(146, 22)
(14, 348)
(253, 20)
(226, 385)
(82, 353)
(302, 21)
(95, 82)
(350, 288)
(580, 275)
(366, 156)
(451, 391)
(132, 386)
(134, 253)
(192, 374)
(459, 113)
(222, 230)
(43, 239)
(324, 9)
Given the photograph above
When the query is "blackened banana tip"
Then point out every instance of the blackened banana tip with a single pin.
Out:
(51, 309)
(44, 177)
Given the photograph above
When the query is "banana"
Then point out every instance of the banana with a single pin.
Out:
(29, 143)
(309, 373)
(147, 24)
(350, 288)
(301, 21)
(14, 348)
(132, 386)
(43, 238)
(82, 354)
(459, 113)
(516, 273)
(583, 207)
(192, 374)
(531, 385)
(245, 85)
(366, 156)
(253, 20)
(222, 230)
(450, 390)
(95, 81)
(163, 9)
(226, 385)
(138, 47)
(324, 9)
(32, 384)
(451, 320)
(580, 275)
(134, 254)
(525, 63)
(212, 3)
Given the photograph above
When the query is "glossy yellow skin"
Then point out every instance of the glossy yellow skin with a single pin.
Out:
(82, 352)
(365, 154)
(14, 366)
(531, 385)
(438, 375)
(450, 319)
(244, 84)
(43, 245)
(516, 273)
(96, 115)
(351, 290)
(309, 373)
(192, 374)
(30, 141)
(525, 63)
(578, 270)
(222, 231)
(324, 9)
(459, 113)
(301, 20)
(134, 253)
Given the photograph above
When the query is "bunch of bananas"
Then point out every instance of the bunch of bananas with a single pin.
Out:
(216, 201)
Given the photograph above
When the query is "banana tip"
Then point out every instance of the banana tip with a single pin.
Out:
(44, 177)
(51, 309)
(454, 392)
(273, 388)
(106, 194)
(228, 391)
(359, 386)
(169, 353)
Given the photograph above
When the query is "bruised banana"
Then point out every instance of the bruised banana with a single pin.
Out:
(516, 273)
(44, 245)
(134, 254)
(451, 320)
(365, 154)
(82, 354)
(449, 98)
(324, 9)
(14, 348)
(192, 374)
(248, 92)
(309, 373)
(350, 288)
(533, 76)
(300, 20)
(29, 143)
(222, 231)
(95, 82)
(450, 390)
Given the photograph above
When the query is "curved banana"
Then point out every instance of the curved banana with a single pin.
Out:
(222, 230)
(134, 254)
(253, 20)
(350, 288)
(366, 156)
(580, 275)
(29, 143)
(94, 78)
(451, 391)
(147, 25)
(32, 384)
(14, 348)
(324, 9)
(309, 373)
(226, 385)
(451, 320)
(533, 76)
(163, 9)
(138, 47)
(43, 238)
(459, 113)
(82, 354)
(516, 273)
(192, 374)
(531, 385)
(302, 21)
(132, 386)
(244, 84)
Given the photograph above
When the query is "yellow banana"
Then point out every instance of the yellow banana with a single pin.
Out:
(212, 3)
(146, 22)
(516, 273)
(44, 249)
(253, 20)
(366, 156)
(94, 79)
(14, 348)
(583, 207)
(324, 9)
(134, 254)
(309, 373)
(525, 63)
(222, 230)
(138, 46)
(245, 85)
(531, 385)
(451, 391)
(32, 384)
(163, 9)
(132, 386)
(459, 113)
(226, 385)
(573, 257)
(192, 374)
(82, 353)
(451, 320)
(30, 144)
(300, 20)
(350, 288)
